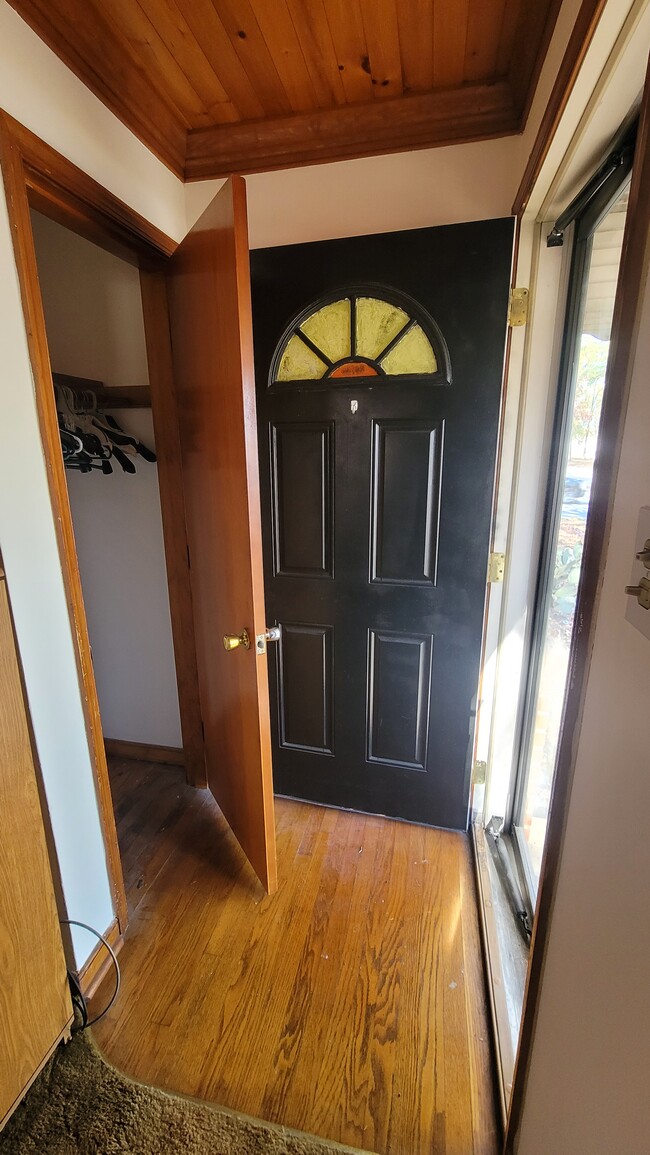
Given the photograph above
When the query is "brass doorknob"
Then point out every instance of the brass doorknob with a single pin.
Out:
(232, 641)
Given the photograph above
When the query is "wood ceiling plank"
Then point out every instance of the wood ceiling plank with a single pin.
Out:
(75, 37)
(415, 22)
(473, 112)
(534, 31)
(346, 26)
(285, 50)
(310, 21)
(209, 31)
(247, 39)
(484, 25)
(168, 19)
(450, 18)
(141, 40)
(382, 37)
(511, 14)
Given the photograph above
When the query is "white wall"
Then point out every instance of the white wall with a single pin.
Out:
(376, 194)
(93, 315)
(30, 552)
(588, 1082)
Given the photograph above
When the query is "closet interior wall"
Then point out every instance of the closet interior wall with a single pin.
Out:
(95, 329)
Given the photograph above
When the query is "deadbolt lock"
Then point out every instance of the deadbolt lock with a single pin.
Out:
(641, 592)
(233, 641)
(270, 635)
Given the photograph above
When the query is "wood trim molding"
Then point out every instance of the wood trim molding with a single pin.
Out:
(16, 186)
(97, 966)
(475, 112)
(144, 752)
(576, 50)
(635, 260)
(67, 194)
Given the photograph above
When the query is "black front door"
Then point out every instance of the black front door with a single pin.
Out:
(379, 363)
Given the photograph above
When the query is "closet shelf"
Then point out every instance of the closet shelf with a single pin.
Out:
(128, 397)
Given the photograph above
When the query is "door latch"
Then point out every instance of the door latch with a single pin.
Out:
(641, 592)
(270, 635)
(644, 554)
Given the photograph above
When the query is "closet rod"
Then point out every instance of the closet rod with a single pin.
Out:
(127, 397)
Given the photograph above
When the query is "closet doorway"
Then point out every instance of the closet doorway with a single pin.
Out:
(94, 320)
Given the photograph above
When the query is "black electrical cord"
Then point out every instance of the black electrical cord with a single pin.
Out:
(77, 997)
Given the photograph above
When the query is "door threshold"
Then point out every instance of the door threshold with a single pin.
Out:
(367, 813)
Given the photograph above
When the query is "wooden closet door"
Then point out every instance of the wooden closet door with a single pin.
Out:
(212, 340)
(35, 1008)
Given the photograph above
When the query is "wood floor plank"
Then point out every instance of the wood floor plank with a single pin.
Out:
(350, 1004)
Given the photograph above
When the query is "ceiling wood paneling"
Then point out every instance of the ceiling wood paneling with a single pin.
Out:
(417, 121)
(200, 81)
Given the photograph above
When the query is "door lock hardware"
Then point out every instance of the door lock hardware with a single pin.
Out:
(270, 635)
(641, 592)
(644, 554)
(233, 641)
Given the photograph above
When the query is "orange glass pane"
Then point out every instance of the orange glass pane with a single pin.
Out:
(354, 369)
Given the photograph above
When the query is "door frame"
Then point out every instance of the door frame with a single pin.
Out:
(36, 176)
(625, 326)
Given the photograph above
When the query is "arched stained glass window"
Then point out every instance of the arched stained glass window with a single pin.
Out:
(364, 333)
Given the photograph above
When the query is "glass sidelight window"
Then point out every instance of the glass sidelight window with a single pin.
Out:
(597, 245)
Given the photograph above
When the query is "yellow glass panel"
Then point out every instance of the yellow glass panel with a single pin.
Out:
(329, 328)
(378, 322)
(299, 363)
(413, 354)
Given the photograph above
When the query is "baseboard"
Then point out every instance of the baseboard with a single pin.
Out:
(143, 752)
(95, 969)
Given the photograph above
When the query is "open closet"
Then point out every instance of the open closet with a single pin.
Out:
(96, 339)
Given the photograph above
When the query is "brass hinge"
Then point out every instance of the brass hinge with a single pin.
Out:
(518, 308)
(479, 772)
(496, 567)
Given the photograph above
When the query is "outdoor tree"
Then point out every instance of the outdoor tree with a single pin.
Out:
(590, 385)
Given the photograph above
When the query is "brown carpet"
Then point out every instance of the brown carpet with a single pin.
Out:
(79, 1103)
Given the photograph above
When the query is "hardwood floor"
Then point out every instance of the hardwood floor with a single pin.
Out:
(350, 1004)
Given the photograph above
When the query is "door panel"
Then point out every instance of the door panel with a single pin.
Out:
(210, 315)
(301, 462)
(305, 687)
(406, 480)
(399, 679)
(393, 508)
